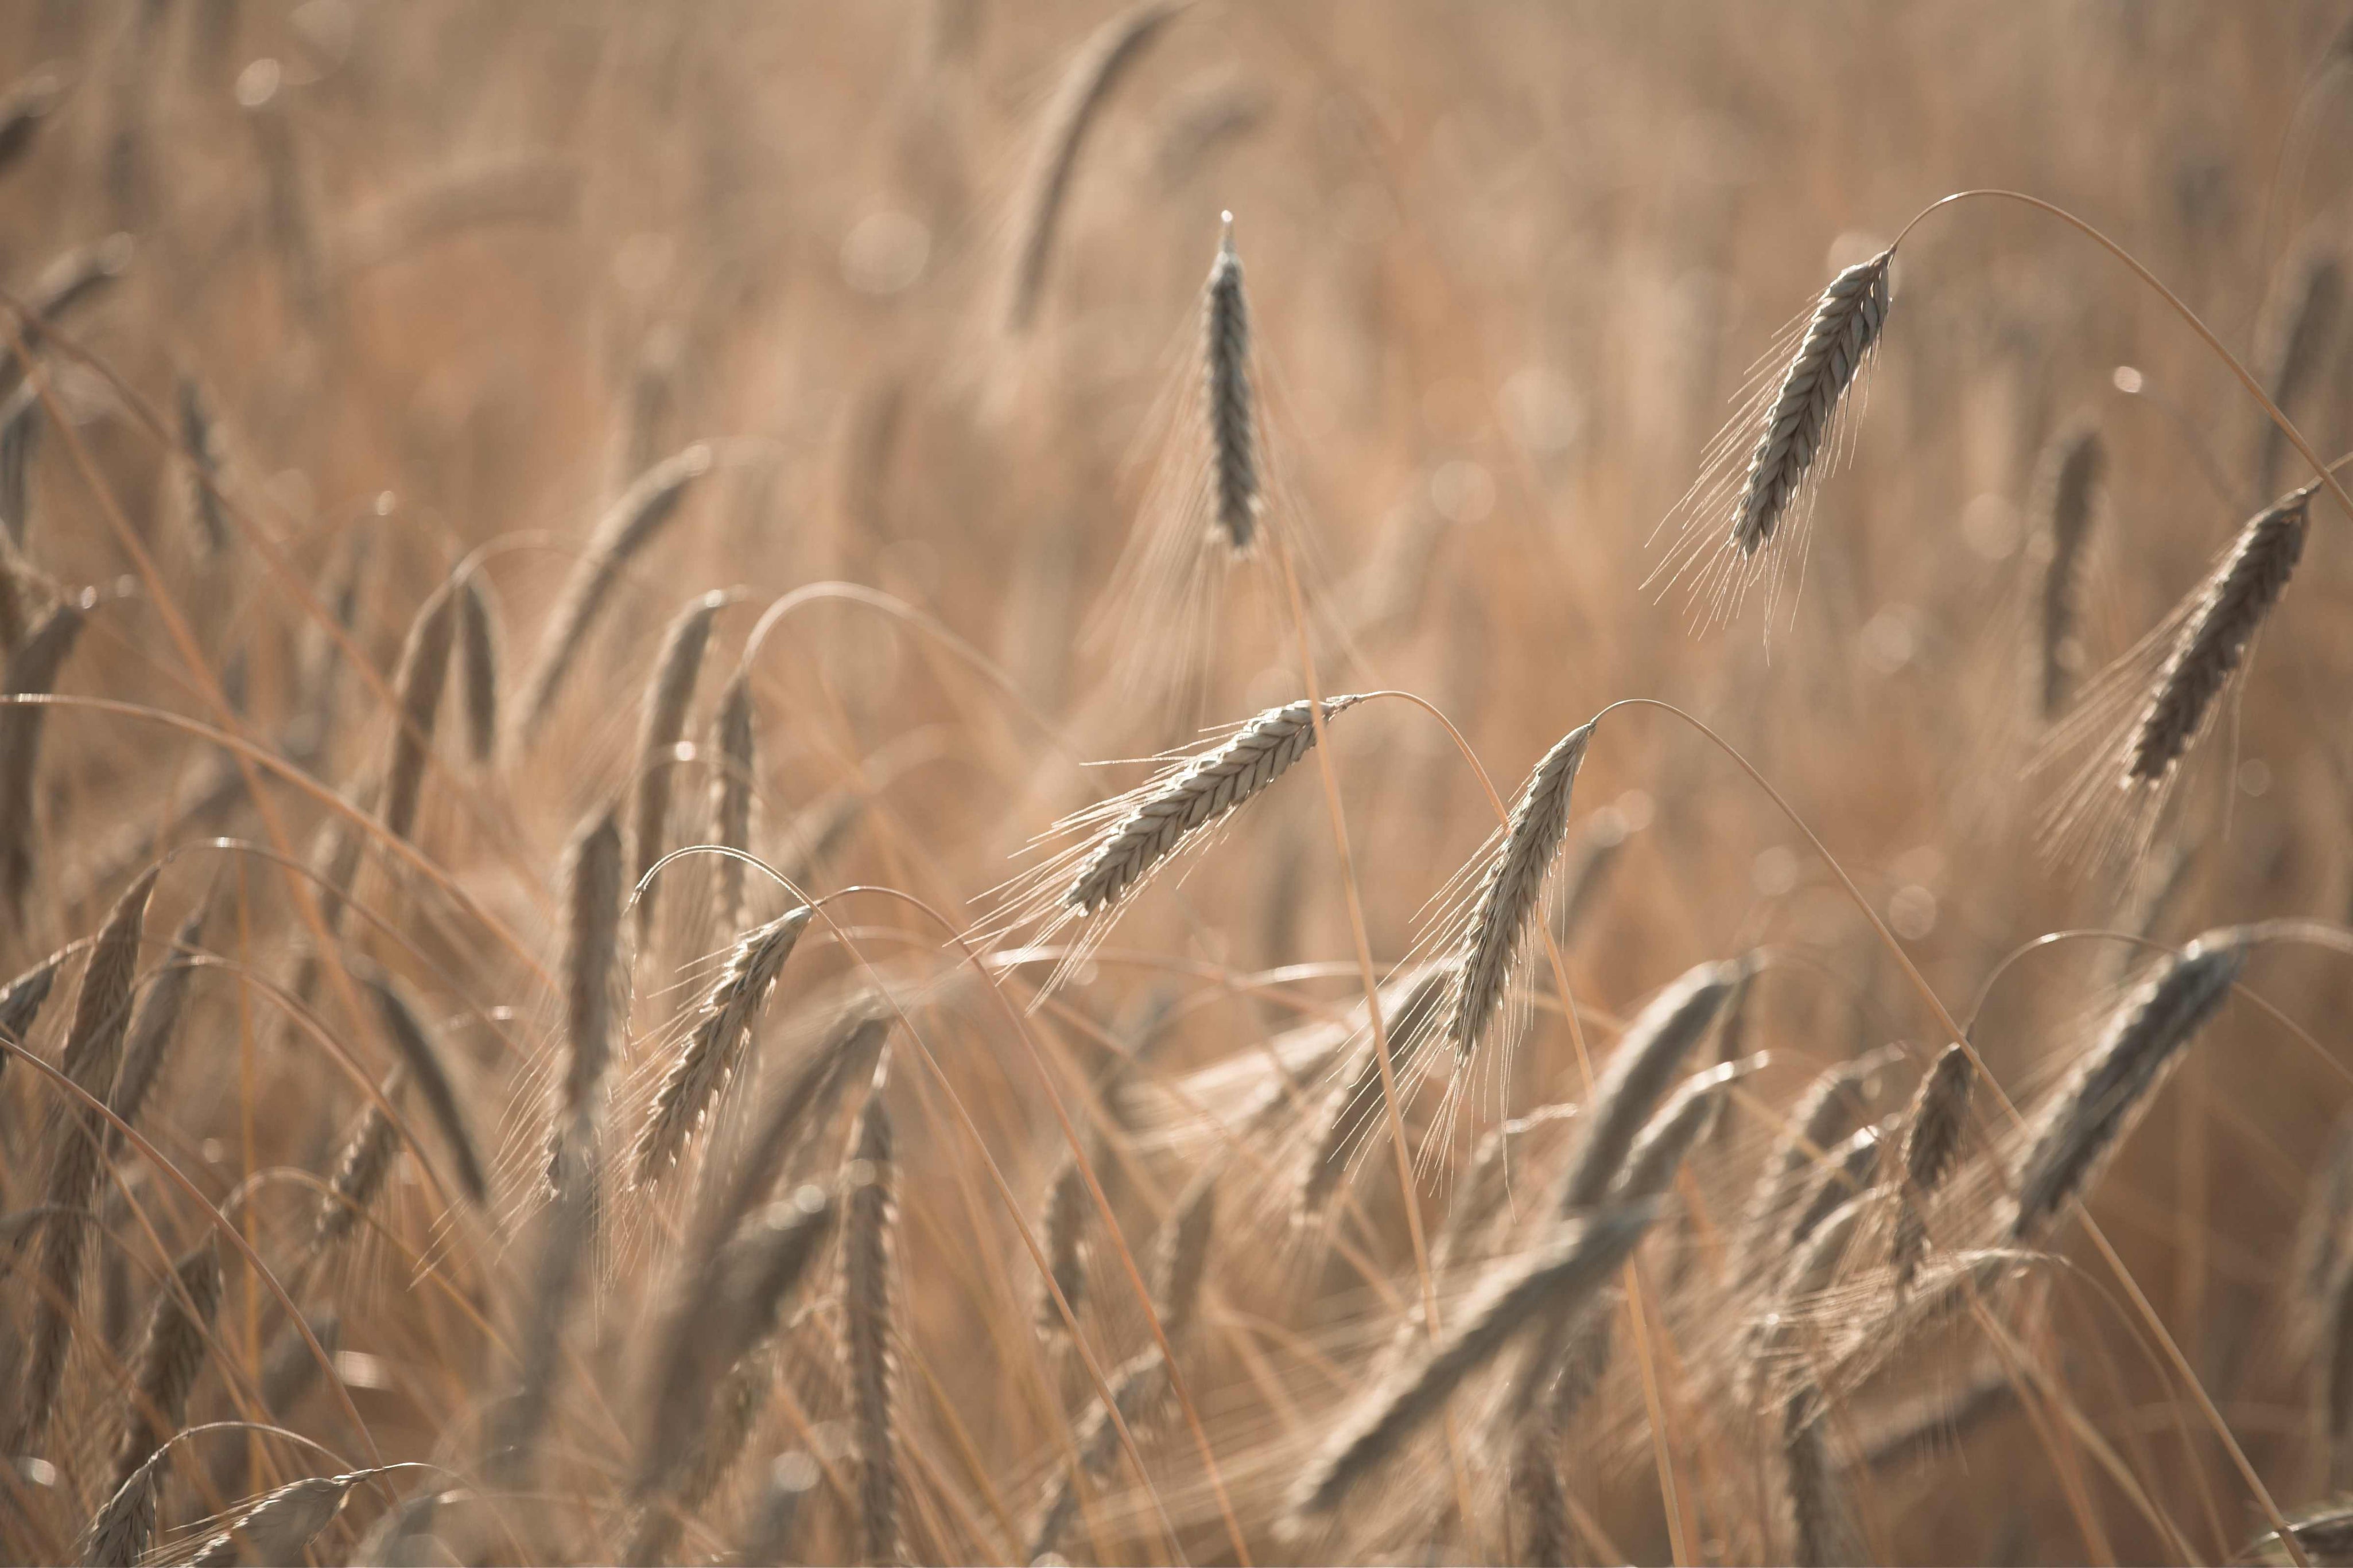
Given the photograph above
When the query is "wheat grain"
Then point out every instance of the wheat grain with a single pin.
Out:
(1540, 1503)
(1821, 1534)
(1138, 1386)
(1846, 1170)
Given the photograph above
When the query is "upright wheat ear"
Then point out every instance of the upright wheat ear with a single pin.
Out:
(866, 1248)
(1846, 324)
(1932, 1146)
(2065, 492)
(660, 722)
(1233, 439)
(1513, 885)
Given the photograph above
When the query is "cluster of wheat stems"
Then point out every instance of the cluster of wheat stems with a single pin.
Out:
(518, 1133)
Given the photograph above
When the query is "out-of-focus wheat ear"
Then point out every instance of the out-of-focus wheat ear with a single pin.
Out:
(1354, 1108)
(2224, 617)
(417, 685)
(734, 742)
(1555, 1280)
(92, 1051)
(1233, 432)
(1584, 1363)
(1539, 1499)
(2298, 343)
(805, 1102)
(321, 655)
(1846, 1173)
(21, 1000)
(707, 1058)
(20, 586)
(735, 1410)
(401, 1536)
(1512, 888)
(1932, 1131)
(200, 446)
(1934, 1423)
(567, 1237)
(1169, 812)
(634, 519)
(1086, 84)
(1676, 1130)
(2084, 1121)
(660, 722)
(2325, 1535)
(361, 1167)
(25, 107)
(1821, 1534)
(871, 1322)
(32, 669)
(73, 278)
(123, 1528)
(20, 436)
(592, 954)
(1832, 1106)
(772, 1533)
(170, 1357)
(414, 1043)
(2065, 493)
(1584, 870)
(154, 1027)
(2323, 1227)
(1180, 1258)
(1846, 324)
(1648, 1054)
(290, 1369)
(721, 1305)
(280, 1526)
(478, 640)
(1063, 1227)
(1138, 1386)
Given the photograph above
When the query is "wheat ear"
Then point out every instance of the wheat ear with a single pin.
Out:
(1839, 337)
(32, 669)
(478, 662)
(423, 674)
(21, 1000)
(712, 1051)
(1640, 1070)
(200, 444)
(2066, 489)
(154, 1027)
(1846, 1172)
(1932, 1146)
(1821, 1535)
(1539, 1499)
(170, 1357)
(1672, 1133)
(661, 721)
(414, 1044)
(1352, 1108)
(1233, 433)
(776, 1519)
(734, 740)
(1138, 1386)
(866, 1249)
(1824, 1115)
(360, 1171)
(280, 1525)
(1513, 887)
(2298, 346)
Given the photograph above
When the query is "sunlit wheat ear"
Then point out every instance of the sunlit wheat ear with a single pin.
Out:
(200, 447)
(2298, 343)
(478, 640)
(1832, 1106)
(32, 668)
(1640, 1070)
(1234, 436)
(417, 686)
(1092, 74)
(280, 1526)
(1932, 1131)
(2065, 492)
(170, 1357)
(1739, 524)
(2086, 1119)
(1578, 1259)
(869, 1217)
(1512, 890)
(1139, 1387)
(711, 1052)
(1676, 1130)
(414, 1043)
(660, 722)
(641, 514)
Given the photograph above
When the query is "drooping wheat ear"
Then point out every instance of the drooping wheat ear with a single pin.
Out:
(24, 108)
(803, 1105)
(735, 1410)
(661, 721)
(1939, 1120)
(20, 432)
(1180, 1258)
(1554, 1281)
(709, 1055)
(360, 1171)
(2065, 489)
(170, 1357)
(772, 1536)
(32, 669)
(154, 1026)
(1513, 888)
(721, 1306)
(280, 1525)
(200, 444)
(2227, 613)
(1233, 436)
(334, 856)
(2297, 345)
(1671, 1134)
(123, 1528)
(592, 958)
(1138, 1387)
(1830, 1108)
(417, 686)
(1821, 1534)
(871, 1321)
(1640, 1070)
(566, 1237)
(1191, 797)
(402, 1533)
(634, 519)
(2088, 1117)
(1845, 1173)
(1846, 324)
(1584, 1363)
(92, 1051)
(1114, 47)
(734, 740)
(21, 1000)
(1356, 1106)
(417, 1053)
(1063, 1227)
(478, 654)
(1539, 1499)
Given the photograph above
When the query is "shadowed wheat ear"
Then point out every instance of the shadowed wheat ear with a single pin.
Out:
(1624, 1096)
(1114, 47)
(1676, 1130)
(1233, 436)
(170, 1357)
(32, 669)
(1832, 1106)
(2297, 345)
(871, 1214)
(733, 742)
(1139, 1387)
(423, 675)
(154, 1026)
(660, 722)
(1940, 1118)
(414, 1043)
(1511, 891)
(708, 1057)
(200, 444)
(2086, 1119)
(635, 519)
(2065, 490)
(478, 653)
(1554, 1281)
(591, 959)
(360, 1171)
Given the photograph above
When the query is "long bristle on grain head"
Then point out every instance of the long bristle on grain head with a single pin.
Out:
(1511, 890)
(1846, 324)
(1640, 1070)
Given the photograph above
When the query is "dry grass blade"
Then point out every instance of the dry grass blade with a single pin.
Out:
(32, 669)
(592, 962)
(713, 1050)
(1553, 1281)
(478, 661)
(634, 519)
(1932, 1131)
(1114, 47)
(2085, 1120)
(154, 1026)
(2065, 490)
(1512, 888)
(1640, 1070)
(661, 721)
(417, 686)
(170, 1357)
(1846, 324)
(417, 1053)
(1233, 431)
(872, 1323)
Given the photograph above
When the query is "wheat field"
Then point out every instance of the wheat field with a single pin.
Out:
(1214, 783)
